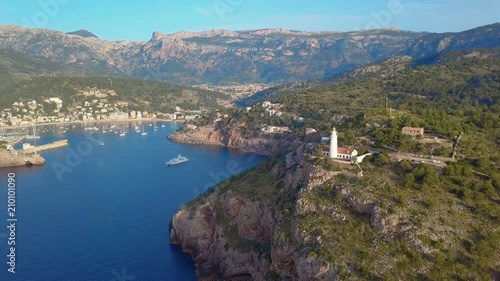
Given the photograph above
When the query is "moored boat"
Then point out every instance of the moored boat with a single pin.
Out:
(177, 160)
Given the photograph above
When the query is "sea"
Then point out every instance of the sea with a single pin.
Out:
(100, 209)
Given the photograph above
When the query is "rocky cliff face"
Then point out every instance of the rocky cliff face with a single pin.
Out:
(236, 236)
(232, 236)
(230, 137)
(291, 220)
(8, 160)
(222, 56)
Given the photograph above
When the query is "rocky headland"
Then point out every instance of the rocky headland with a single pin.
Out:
(11, 160)
(232, 137)
(294, 218)
(256, 228)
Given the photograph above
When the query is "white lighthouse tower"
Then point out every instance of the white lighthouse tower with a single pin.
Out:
(333, 144)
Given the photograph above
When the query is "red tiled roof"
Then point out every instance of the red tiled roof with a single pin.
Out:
(341, 150)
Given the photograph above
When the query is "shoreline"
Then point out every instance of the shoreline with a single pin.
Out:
(92, 122)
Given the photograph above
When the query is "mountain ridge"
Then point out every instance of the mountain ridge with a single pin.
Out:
(83, 33)
(385, 69)
(222, 56)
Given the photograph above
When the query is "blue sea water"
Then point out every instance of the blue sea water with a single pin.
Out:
(102, 212)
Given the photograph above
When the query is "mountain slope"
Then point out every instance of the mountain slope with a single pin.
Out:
(378, 74)
(144, 95)
(222, 56)
(16, 64)
(25, 78)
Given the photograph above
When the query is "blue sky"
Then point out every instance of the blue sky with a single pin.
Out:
(137, 19)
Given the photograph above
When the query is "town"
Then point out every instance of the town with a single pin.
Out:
(92, 105)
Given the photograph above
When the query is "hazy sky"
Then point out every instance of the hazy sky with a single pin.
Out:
(137, 19)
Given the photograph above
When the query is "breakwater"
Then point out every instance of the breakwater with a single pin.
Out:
(45, 147)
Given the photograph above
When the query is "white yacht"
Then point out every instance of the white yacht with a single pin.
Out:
(177, 160)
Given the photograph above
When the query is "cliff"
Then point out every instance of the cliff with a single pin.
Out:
(232, 137)
(289, 219)
(9, 160)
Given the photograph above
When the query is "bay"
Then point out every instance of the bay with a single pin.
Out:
(100, 209)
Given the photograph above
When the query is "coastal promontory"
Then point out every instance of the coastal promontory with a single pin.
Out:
(14, 160)
(231, 136)
(299, 218)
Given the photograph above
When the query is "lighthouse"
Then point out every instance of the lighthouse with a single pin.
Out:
(333, 144)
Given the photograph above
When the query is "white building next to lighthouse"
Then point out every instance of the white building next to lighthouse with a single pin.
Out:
(335, 152)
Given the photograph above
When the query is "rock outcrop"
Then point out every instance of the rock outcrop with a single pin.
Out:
(304, 224)
(10, 160)
(233, 236)
(230, 137)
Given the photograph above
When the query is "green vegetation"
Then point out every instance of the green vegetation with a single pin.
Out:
(455, 210)
(14, 64)
(28, 78)
(3, 144)
(401, 221)
(439, 97)
(256, 183)
(459, 93)
(453, 214)
(141, 94)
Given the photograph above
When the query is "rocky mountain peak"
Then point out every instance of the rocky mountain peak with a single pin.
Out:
(157, 35)
(83, 33)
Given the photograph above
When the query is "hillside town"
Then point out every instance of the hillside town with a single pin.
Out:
(95, 106)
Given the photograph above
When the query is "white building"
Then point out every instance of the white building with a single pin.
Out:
(32, 105)
(57, 101)
(274, 129)
(310, 131)
(118, 115)
(335, 152)
(26, 146)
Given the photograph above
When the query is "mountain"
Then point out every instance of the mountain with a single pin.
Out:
(16, 67)
(223, 56)
(83, 33)
(377, 73)
(16, 64)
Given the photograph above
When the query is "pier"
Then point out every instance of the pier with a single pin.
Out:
(44, 147)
